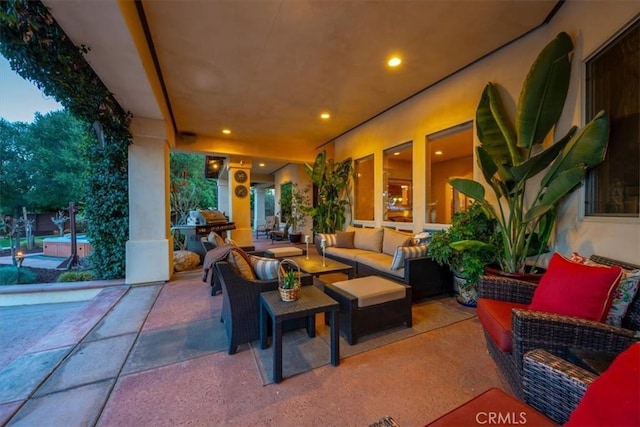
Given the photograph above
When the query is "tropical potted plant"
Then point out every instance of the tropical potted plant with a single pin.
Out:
(293, 209)
(512, 159)
(332, 180)
(465, 257)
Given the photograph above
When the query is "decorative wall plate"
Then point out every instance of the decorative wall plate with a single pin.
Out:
(240, 176)
(241, 190)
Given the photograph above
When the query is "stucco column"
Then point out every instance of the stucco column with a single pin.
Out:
(258, 206)
(223, 196)
(149, 256)
(240, 203)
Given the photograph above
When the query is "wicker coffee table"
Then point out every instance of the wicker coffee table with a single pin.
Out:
(311, 300)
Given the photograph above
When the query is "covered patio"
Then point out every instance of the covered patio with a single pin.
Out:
(143, 355)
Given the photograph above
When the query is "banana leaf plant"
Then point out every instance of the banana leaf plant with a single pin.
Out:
(511, 156)
(332, 180)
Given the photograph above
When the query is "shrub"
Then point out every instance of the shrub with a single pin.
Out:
(9, 276)
(76, 276)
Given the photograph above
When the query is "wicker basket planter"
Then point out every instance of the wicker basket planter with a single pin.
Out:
(288, 292)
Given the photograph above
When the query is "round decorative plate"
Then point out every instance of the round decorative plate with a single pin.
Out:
(241, 190)
(240, 176)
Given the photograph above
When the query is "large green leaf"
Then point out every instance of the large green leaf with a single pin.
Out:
(536, 164)
(468, 187)
(544, 92)
(562, 185)
(317, 172)
(588, 147)
(494, 129)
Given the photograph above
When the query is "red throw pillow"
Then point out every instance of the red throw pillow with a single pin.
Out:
(574, 289)
(613, 399)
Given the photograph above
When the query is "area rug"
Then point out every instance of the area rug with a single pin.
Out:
(301, 353)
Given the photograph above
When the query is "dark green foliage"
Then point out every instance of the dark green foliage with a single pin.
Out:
(332, 180)
(42, 165)
(469, 244)
(76, 276)
(39, 50)
(9, 276)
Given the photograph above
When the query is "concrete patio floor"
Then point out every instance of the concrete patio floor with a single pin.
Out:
(144, 355)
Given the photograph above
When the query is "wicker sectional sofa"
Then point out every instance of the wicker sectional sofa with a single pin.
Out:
(374, 251)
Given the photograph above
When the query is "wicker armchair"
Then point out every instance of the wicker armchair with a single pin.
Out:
(552, 385)
(241, 297)
(554, 333)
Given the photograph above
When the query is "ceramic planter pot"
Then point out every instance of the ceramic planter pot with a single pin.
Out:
(467, 292)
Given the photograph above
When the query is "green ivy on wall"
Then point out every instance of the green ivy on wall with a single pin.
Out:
(39, 51)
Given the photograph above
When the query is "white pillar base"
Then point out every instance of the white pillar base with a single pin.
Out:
(148, 261)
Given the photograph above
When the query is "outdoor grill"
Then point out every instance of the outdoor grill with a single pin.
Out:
(199, 224)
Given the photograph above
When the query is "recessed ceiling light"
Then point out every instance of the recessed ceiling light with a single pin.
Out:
(261, 165)
(397, 153)
(438, 153)
(394, 61)
(226, 131)
(325, 116)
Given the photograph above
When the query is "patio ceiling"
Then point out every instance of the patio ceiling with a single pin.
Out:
(267, 69)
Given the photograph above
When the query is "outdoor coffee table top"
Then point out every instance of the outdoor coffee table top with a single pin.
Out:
(311, 300)
(314, 266)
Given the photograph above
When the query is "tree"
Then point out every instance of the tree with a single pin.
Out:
(13, 156)
(190, 190)
(42, 163)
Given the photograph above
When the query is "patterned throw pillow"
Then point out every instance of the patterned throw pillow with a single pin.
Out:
(265, 268)
(330, 238)
(407, 252)
(622, 296)
(239, 260)
(215, 239)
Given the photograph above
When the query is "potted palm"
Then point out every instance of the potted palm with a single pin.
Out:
(529, 181)
(465, 257)
(293, 210)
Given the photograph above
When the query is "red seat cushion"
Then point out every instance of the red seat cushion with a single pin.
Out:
(495, 317)
(493, 407)
(574, 289)
(613, 399)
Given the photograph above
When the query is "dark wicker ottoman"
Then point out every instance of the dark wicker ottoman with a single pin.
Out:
(370, 304)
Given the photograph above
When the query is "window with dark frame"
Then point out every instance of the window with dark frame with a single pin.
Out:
(613, 85)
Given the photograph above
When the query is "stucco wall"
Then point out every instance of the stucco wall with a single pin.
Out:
(454, 101)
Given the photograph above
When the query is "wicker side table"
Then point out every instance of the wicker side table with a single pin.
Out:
(311, 300)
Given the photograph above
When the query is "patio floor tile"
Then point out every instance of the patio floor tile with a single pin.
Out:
(74, 407)
(128, 315)
(161, 347)
(22, 376)
(90, 362)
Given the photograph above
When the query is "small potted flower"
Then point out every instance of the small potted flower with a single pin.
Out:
(289, 281)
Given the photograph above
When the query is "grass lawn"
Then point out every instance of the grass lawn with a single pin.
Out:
(4, 241)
